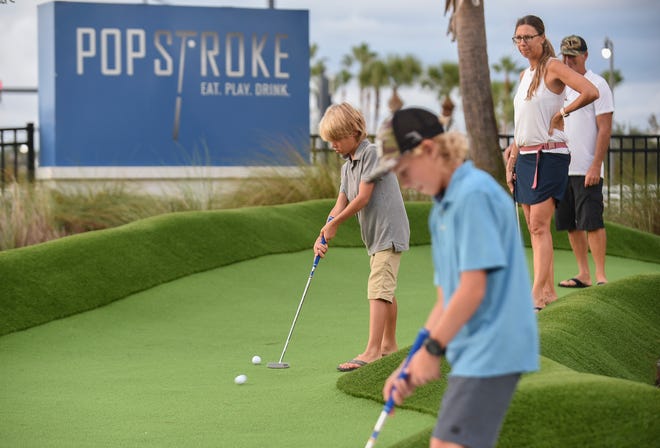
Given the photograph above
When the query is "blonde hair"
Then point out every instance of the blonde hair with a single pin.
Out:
(451, 146)
(548, 52)
(341, 121)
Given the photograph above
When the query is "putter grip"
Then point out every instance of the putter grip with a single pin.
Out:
(323, 241)
(421, 337)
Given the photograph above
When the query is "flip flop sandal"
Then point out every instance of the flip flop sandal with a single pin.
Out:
(576, 283)
(357, 362)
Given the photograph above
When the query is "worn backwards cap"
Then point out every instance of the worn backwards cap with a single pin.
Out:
(403, 132)
(573, 45)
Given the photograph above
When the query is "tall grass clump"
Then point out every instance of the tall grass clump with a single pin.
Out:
(641, 212)
(32, 213)
(299, 181)
(294, 180)
(26, 216)
(95, 207)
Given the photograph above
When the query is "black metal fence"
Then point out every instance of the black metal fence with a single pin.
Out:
(17, 155)
(632, 168)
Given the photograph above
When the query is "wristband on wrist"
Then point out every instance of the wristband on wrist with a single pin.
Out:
(563, 112)
(434, 347)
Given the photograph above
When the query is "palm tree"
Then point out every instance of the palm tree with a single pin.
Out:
(467, 26)
(317, 66)
(318, 81)
(364, 80)
(377, 76)
(341, 80)
(617, 77)
(404, 71)
(444, 78)
(362, 55)
(508, 67)
(344, 76)
(504, 102)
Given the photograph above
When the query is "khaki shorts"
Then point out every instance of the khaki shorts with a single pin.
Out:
(384, 271)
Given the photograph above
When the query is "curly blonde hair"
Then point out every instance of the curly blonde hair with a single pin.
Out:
(453, 147)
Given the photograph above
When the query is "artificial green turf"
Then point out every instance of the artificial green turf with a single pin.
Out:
(82, 272)
(611, 330)
(149, 363)
(609, 336)
(157, 369)
(558, 407)
(621, 241)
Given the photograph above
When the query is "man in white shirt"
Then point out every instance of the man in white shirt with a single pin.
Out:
(588, 130)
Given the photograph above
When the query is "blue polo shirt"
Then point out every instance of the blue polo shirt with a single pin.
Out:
(473, 227)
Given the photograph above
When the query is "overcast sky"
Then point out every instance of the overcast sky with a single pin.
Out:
(400, 27)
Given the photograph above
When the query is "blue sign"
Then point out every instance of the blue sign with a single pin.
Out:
(143, 85)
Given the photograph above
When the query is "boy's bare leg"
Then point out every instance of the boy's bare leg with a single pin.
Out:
(437, 443)
(378, 315)
(389, 344)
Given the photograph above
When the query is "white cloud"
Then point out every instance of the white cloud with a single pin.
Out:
(413, 26)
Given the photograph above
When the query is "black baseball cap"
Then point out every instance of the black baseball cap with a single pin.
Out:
(403, 132)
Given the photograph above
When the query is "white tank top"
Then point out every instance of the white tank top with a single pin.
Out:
(532, 117)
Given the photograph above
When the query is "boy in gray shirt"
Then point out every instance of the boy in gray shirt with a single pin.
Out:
(383, 224)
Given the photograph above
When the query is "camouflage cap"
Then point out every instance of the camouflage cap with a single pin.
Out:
(573, 45)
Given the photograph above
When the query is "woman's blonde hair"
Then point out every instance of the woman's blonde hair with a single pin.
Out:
(548, 52)
(340, 121)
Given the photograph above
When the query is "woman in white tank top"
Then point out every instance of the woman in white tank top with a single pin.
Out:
(538, 158)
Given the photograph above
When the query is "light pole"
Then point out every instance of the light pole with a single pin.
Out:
(608, 53)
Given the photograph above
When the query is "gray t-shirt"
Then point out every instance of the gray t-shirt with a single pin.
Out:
(383, 221)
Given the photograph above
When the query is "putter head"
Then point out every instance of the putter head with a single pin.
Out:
(278, 365)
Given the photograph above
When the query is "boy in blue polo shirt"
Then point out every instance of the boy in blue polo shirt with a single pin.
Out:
(483, 319)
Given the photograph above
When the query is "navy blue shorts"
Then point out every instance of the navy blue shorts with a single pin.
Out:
(582, 207)
(551, 179)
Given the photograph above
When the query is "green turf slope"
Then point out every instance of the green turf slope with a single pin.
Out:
(42, 283)
(82, 272)
(594, 389)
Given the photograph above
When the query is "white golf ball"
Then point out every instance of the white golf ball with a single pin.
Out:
(240, 379)
(256, 359)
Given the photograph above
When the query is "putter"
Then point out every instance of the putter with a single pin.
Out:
(421, 337)
(515, 210)
(285, 365)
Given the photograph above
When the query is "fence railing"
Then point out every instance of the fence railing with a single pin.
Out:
(17, 156)
(632, 167)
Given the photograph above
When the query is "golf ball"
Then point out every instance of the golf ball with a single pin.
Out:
(240, 379)
(256, 359)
